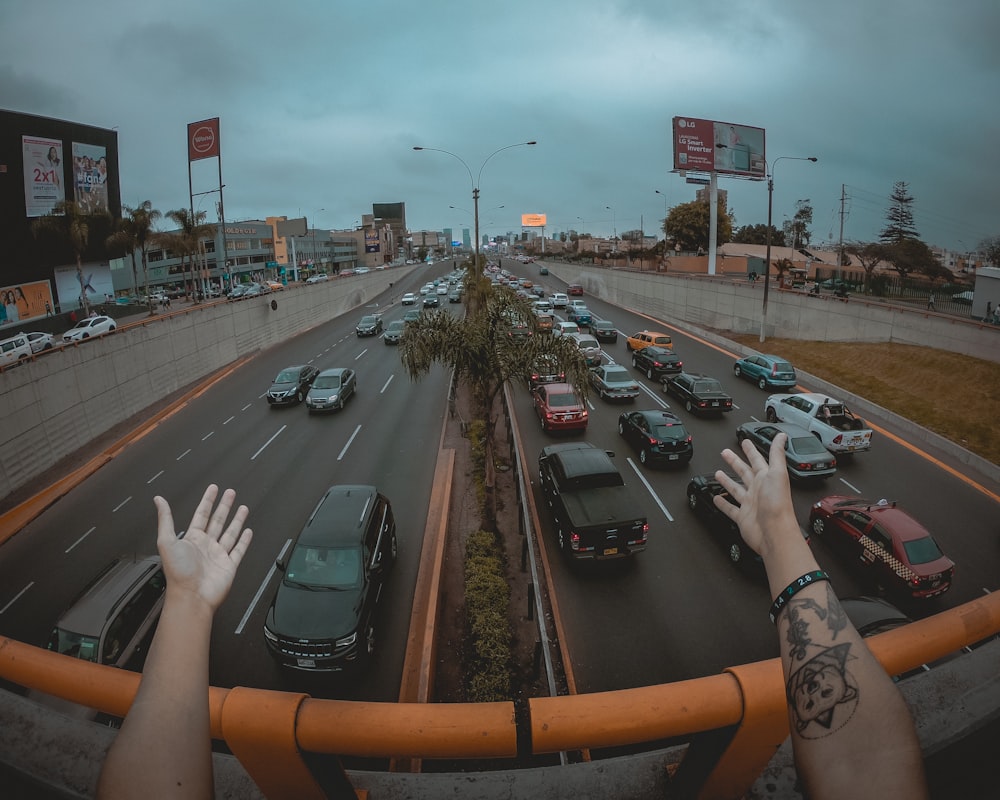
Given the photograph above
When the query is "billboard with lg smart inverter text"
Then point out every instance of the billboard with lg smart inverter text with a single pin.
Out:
(703, 145)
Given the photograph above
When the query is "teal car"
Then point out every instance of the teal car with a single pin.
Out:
(767, 371)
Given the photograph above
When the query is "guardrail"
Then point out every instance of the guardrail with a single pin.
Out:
(270, 732)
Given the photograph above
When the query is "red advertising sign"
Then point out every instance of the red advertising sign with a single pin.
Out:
(703, 145)
(203, 139)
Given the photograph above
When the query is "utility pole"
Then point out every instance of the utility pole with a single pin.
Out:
(840, 249)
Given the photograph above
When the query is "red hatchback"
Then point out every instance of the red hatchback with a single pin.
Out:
(574, 289)
(559, 408)
(901, 551)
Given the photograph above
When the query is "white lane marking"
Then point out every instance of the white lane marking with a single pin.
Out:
(80, 539)
(361, 354)
(16, 597)
(386, 384)
(346, 446)
(260, 591)
(250, 404)
(649, 489)
(122, 503)
(157, 475)
(264, 446)
(229, 420)
(320, 355)
(183, 454)
(853, 488)
(207, 435)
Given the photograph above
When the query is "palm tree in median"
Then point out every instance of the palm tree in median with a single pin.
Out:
(71, 224)
(186, 241)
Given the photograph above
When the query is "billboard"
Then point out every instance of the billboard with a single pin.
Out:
(532, 220)
(203, 139)
(94, 280)
(43, 175)
(90, 177)
(707, 146)
(23, 301)
(371, 241)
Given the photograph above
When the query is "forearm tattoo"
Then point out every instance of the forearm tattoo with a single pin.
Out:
(821, 691)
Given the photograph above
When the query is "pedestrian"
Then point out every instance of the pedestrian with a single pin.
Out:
(48, 310)
(996, 314)
(930, 302)
(989, 310)
(166, 301)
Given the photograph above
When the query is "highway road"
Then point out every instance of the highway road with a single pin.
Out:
(680, 609)
(677, 611)
(280, 461)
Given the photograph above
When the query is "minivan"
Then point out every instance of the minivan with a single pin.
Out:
(323, 614)
(14, 350)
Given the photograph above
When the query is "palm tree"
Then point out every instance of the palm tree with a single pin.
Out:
(71, 224)
(187, 241)
(135, 232)
(482, 355)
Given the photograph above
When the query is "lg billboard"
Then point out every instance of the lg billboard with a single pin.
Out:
(703, 145)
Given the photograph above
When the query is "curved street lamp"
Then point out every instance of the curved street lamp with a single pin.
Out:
(475, 180)
(767, 255)
(614, 230)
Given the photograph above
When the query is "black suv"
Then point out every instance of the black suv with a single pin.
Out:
(656, 361)
(322, 617)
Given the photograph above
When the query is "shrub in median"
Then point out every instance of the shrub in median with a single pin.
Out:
(487, 597)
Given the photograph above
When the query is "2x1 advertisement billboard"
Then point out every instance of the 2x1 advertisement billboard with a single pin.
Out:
(703, 145)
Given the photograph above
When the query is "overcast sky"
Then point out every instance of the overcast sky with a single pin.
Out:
(322, 101)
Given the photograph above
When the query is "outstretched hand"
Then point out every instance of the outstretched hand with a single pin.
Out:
(765, 509)
(203, 563)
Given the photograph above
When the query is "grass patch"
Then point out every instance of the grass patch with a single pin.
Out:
(953, 395)
(487, 598)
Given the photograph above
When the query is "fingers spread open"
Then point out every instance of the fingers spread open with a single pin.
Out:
(202, 514)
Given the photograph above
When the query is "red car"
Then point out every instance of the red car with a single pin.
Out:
(901, 551)
(574, 289)
(559, 408)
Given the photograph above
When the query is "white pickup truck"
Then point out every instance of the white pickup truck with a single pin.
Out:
(829, 420)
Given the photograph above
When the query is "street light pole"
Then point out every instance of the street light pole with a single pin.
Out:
(664, 212)
(614, 230)
(475, 180)
(767, 255)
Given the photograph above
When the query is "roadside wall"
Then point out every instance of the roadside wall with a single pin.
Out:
(56, 404)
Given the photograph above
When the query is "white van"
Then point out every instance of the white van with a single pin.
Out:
(14, 349)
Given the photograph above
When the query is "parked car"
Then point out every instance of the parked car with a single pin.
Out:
(767, 371)
(318, 278)
(805, 455)
(331, 389)
(656, 361)
(900, 552)
(274, 286)
(559, 408)
(545, 369)
(394, 331)
(370, 325)
(92, 326)
(323, 615)
(614, 382)
(659, 436)
(604, 330)
(14, 349)
(963, 298)
(40, 341)
(408, 299)
(641, 339)
(699, 393)
(291, 385)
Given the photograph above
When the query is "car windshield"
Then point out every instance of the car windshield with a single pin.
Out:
(83, 324)
(287, 376)
(76, 645)
(327, 382)
(807, 446)
(563, 400)
(617, 375)
(325, 567)
(922, 551)
(708, 386)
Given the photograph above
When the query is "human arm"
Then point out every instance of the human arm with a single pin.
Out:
(852, 734)
(164, 747)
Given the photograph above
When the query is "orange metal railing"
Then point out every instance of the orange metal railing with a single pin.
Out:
(268, 731)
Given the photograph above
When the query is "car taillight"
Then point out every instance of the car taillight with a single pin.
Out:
(680, 365)
(688, 440)
(833, 462)
(838, 438)
(657, 364)
(702, 403)
(574, 540)
(652, 442)
(774, 369)
(804, 467)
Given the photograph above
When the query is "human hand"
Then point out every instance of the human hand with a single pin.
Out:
(765, 512)
(203, 563)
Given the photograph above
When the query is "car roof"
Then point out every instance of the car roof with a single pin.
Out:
(339, 517)
(658, 415)
(898, 522)
(332, 371)
(793, 430)
(102, 596)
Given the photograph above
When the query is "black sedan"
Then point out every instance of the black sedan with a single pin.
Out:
(805, 455)
(370, 325)
(656, 362)
(431, 300)
(659, 436)
(699, 393)
(700, 491)
(604, 330)
(291, 385)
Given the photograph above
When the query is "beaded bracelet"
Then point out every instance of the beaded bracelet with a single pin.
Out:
(792, 589)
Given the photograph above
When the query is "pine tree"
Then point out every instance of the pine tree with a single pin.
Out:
(899, 216)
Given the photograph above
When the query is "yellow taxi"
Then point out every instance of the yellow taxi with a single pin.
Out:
(637, 341)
